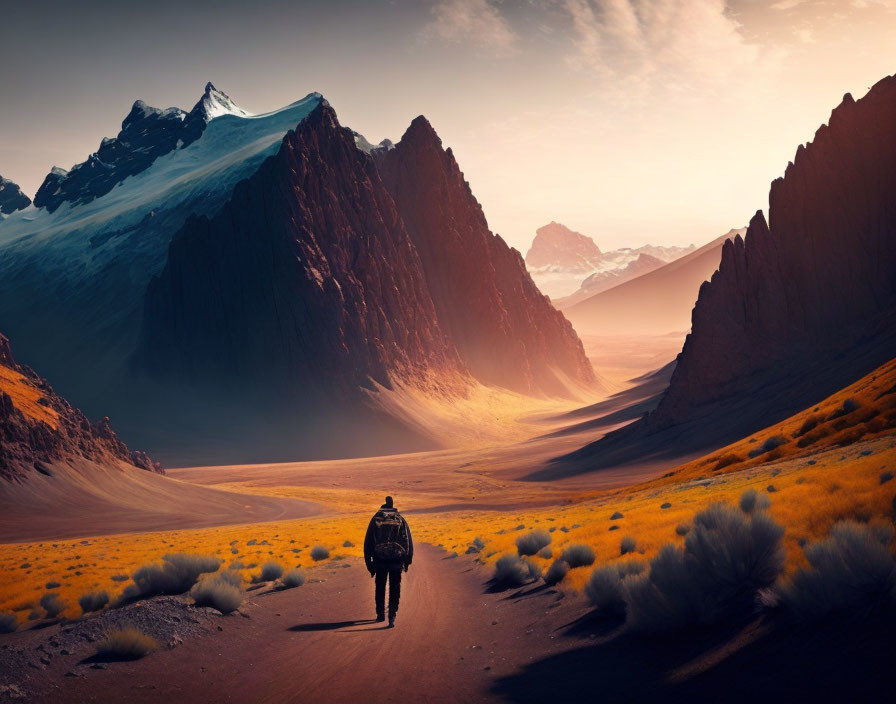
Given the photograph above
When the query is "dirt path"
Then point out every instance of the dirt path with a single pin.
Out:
(451, 642)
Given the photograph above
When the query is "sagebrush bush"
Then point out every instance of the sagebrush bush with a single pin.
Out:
(8, 622)
(751, 500)
(232, 576)
(849, 405)
(293, 578)
(176, 575)
(531, 543)
(319, 552)
(627, 545)
(726, 461)
(270, 571)
(852, 573)
(52, 605)
(556, 572)
(577, 555)
(728, 556)
(616, 516)
(93, 601)
(348, 544)
(546, 552)
(809, 424)
(514, 571)
(126, 644)
(772, 443)
(605, 591)
(683, 529)
(217, 592)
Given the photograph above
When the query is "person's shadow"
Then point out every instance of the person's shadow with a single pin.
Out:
(335, 626)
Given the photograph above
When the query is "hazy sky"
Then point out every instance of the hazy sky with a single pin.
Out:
(628, 120)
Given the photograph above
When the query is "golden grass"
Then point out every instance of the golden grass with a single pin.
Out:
(822, 426)
(126, 643)
(808, 499)
(25, 396)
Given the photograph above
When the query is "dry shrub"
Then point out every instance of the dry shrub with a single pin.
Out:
(52, 605)
(531, 543)
(8, 622)
(851, 573)
(93, 601)
(556, 572)
(727, 558)
(751, 500)
(514, 571)
(319, 552)
(294, 578)
(270, 571)
(772, 443)
(605, 587)
(217, 592)
(176, 575)
(126, 644)
(577, 555)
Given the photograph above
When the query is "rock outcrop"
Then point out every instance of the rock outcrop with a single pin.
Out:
(38, 427)
(11, 197)
(505, 331)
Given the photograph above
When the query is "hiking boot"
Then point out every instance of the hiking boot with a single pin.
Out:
(380, 618)
(391, 620)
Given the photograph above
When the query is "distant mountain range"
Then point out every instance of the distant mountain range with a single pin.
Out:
(658, 301)
(234, 287)
(561, 260)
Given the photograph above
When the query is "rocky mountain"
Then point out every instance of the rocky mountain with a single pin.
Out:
(560, 260)
(503, 328)
(655, 303)
(801, 306)
(146, 134)
(39, 428)
(11, 197)
(603, 280)
(264, 287)
(557, 246)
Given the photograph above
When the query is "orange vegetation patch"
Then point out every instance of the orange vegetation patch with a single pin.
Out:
(25, 396)
(861, 411)
(106, 562)
(807, 497)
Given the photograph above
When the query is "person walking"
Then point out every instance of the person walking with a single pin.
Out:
(388, 550)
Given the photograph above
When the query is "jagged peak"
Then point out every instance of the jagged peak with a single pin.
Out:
(420, 131)
(215, 103)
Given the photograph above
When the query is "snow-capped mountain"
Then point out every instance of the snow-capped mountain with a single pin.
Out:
(220, 283)
(560, 260)
(146, 134)
(11, 197)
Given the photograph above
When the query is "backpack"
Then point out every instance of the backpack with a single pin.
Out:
(390, 542)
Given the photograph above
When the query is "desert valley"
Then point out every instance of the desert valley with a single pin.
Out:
(656, 471)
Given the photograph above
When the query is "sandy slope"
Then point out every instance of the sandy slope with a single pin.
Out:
(85, 499)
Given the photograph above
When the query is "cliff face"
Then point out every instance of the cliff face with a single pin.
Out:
(814, 284)
(801, 306)
(506, 332)
(39, 427)
(304, 286)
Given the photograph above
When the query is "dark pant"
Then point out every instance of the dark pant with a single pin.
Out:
(392, 573)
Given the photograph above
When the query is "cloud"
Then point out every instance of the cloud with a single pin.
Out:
(477, 22)
(685, 43)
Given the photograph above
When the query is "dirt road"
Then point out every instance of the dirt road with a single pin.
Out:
(452, 641)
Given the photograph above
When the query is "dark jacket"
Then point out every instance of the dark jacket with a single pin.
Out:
(370, 539)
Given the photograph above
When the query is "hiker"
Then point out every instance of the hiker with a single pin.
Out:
(388, 549)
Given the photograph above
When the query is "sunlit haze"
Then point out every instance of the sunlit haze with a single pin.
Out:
(580, 111)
